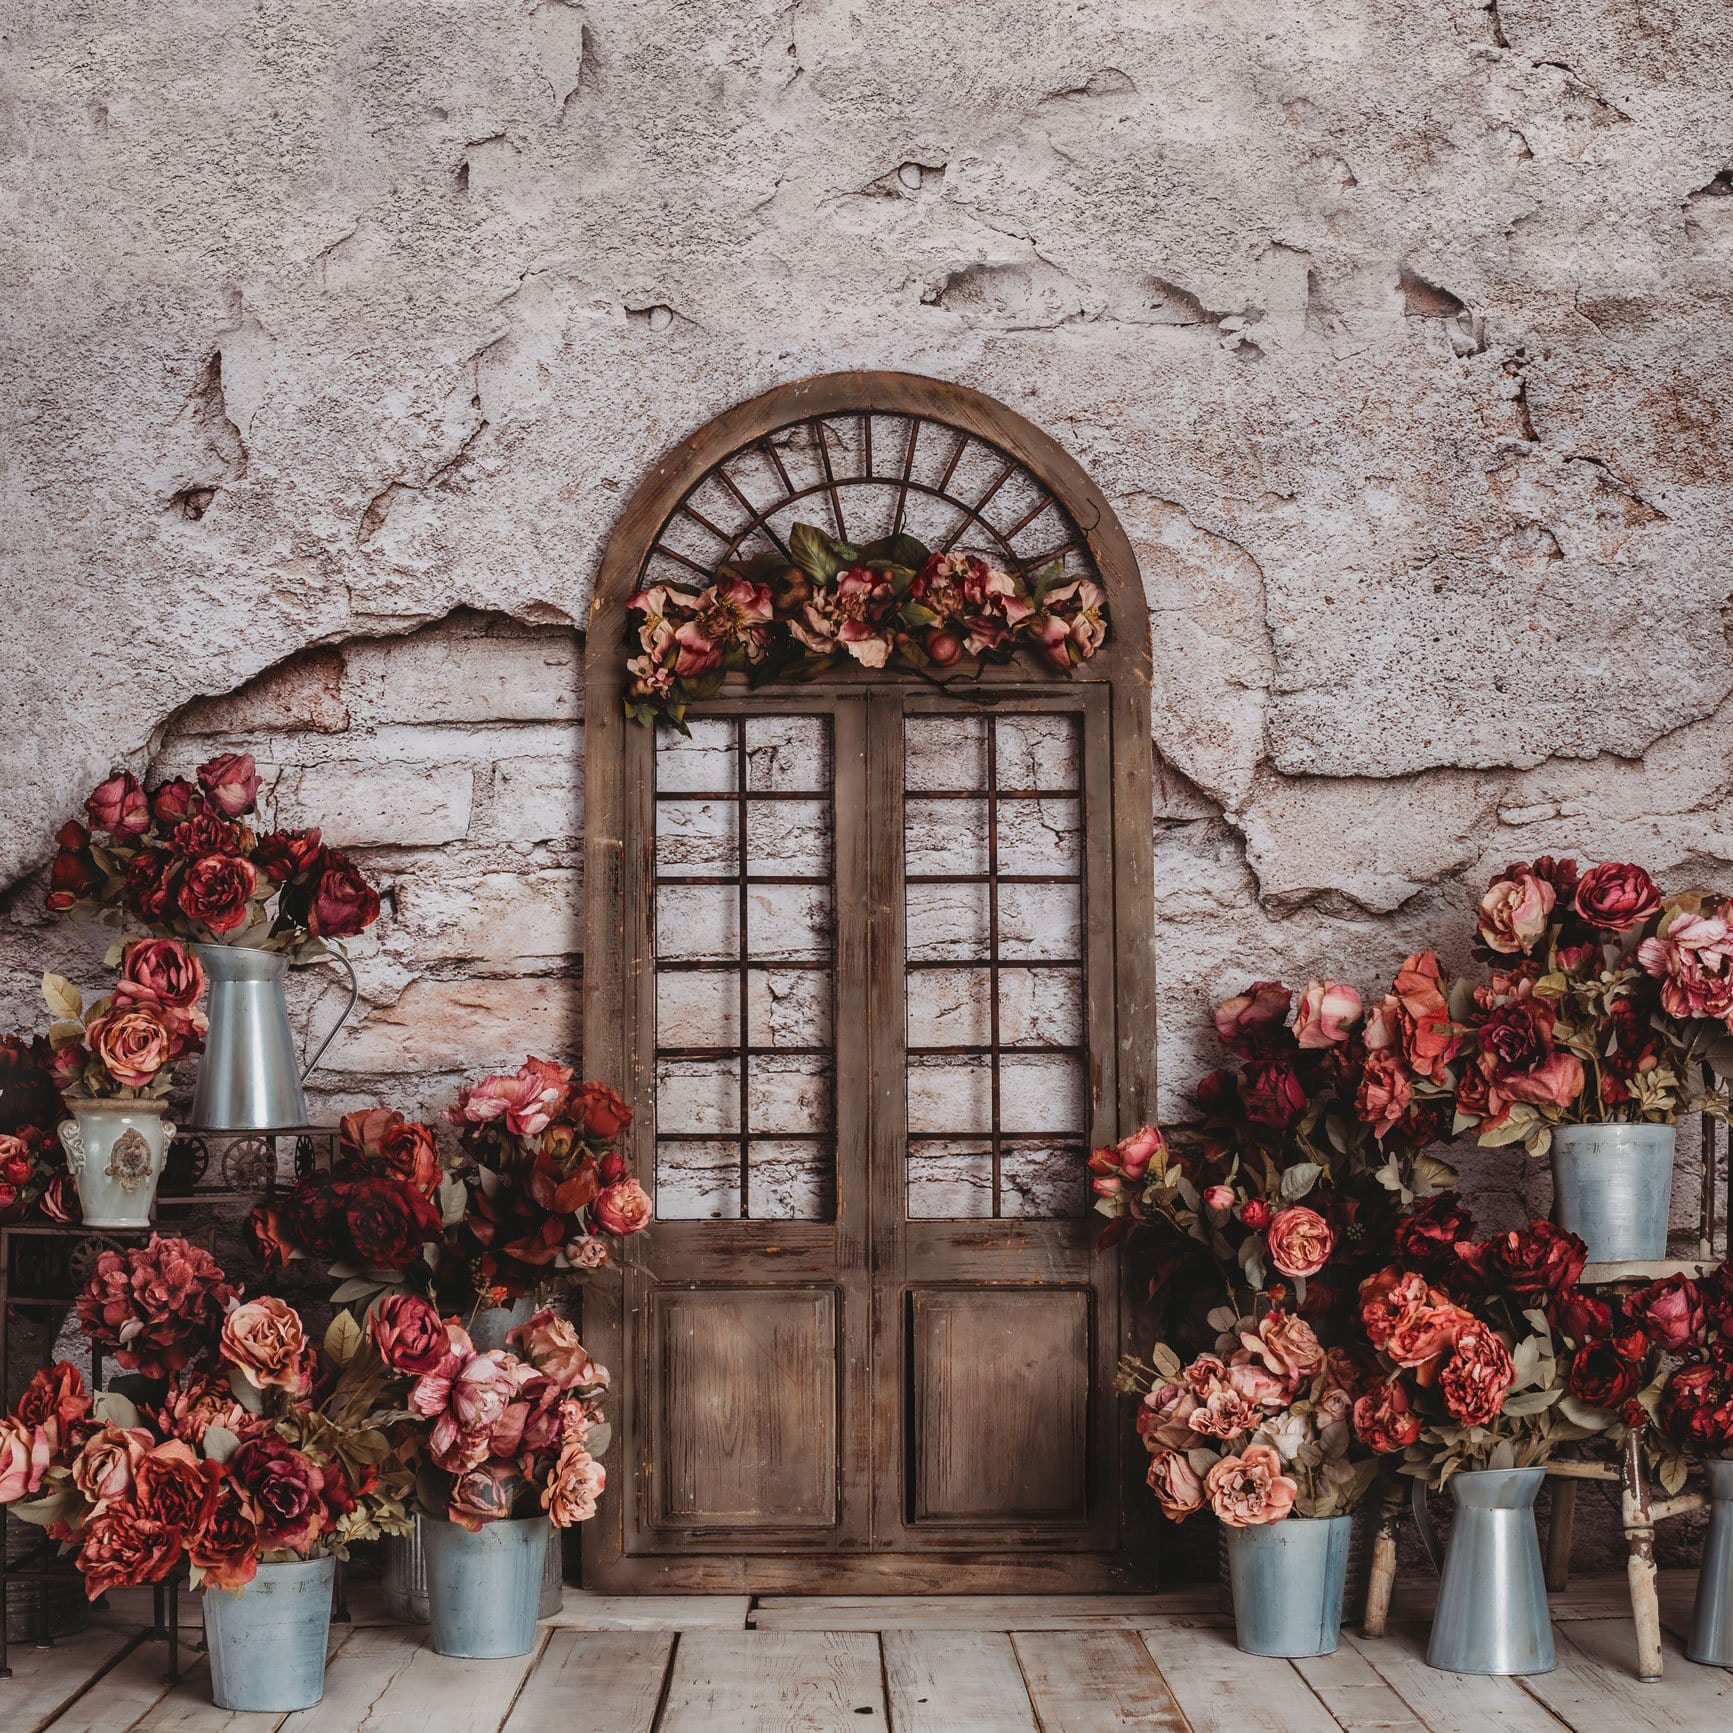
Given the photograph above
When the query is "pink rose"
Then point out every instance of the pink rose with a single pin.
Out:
(119, 807)
(1137, 1151)
(588, 1253)
(1164, 1418)
(1516, 910)
(1616, 897)
(1300, 1241)
(1327, 1015)
(264, 1341)
(1175, 1484)
(1250, 1489)
(1670, 1310)
(465, 1407)
(1226, 1412)
(134, 1045)
(410, 1335)
(524, 1101)
(162, 973)
(1693, 959)
(551, 1345)
(25, 1455)
(1219, 1200)
(622, 1209)
(231, 782)
(486, 1493)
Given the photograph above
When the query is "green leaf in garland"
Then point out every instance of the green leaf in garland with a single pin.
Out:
(899, 550)
(814, 552)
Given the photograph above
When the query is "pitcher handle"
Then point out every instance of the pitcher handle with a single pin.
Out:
(354, 994)
(1423, 1523)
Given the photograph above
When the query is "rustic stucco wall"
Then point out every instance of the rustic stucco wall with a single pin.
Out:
(1397, 335)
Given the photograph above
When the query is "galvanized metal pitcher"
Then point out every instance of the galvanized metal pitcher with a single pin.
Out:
(1492, 1614)
(1712, 1618)
(248, 1078)
(1612, 1186)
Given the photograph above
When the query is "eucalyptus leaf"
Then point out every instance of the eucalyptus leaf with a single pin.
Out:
(114, 1408)
(219, 1443)
(356, 1288)
(1299, 1179)
(598, 1438)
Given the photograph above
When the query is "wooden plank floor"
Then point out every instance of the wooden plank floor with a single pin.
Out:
(841, 1664)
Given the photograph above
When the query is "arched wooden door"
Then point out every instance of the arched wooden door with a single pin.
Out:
(871, 956)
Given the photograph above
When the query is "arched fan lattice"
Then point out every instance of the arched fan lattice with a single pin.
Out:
(862, 476)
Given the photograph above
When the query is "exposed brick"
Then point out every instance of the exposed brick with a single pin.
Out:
(306, 692)
(464, 1026)
(538, 799)
(453, 673)
(493, 918)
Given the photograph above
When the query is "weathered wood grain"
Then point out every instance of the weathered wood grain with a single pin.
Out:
(1221, 1690)
(1095, 1682)
(941, 1681)
(972, 1612)
(1450, 1702)
(1595, 1688)
(775, 1682)
(1356, 1694)
(43, 1680)
(594, 1682)
(583, 1611)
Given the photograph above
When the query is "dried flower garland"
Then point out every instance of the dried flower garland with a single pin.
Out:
(890, 600)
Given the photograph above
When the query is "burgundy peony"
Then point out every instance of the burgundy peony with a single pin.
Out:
(285, 1488)
(388, 1221)
(216, 891)
(1617, 897)
(1535, 1261)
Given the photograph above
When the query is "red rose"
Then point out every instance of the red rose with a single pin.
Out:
(167, 972)
(1670, 1310)
(286, 1490)
(119, 807)
(152, 881)
(611, 1167)
(73, 875)
(380, 1137)
(231, 782)
(1534, 1261)
(622, 1208)
(1476, 1376)
(1582, 1317)
(1255, 1022)
(1273, 1095)
(1601, 1376)
(1427, 1238)
(287, 854)
(1384, 1420)
(206, 833)
(601, 1112)
(169, 1485)
(124, 1549)
(16, 1162)
(59, 1201)
(216, 891)
(388, 1221)
(310, 1220)
(1255, 1213)
(174, 802)
(265, 1233)
(1696, 1407)
(1716, 1290)
(224, 1547)
(1617, 897)
(344, 903)
(409, 1334)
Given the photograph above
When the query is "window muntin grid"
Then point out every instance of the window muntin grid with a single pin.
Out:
(745, 970)
(997, 1043)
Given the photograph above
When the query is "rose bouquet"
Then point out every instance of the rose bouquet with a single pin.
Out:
(776, 618)
(548, 1195)
(32, 1171)
(1489, 1355)
(1693, 1400)
(270, 1449)
(1605, 997)
(511, 1432)
(376, 1219)
(181, 859)
(125, 1046)
(156, 1308)
(1258, 1430)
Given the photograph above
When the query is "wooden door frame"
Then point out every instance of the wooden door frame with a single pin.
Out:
(618, 828)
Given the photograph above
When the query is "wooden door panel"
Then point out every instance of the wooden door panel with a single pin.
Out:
(744, 1431)
(1001, 1395)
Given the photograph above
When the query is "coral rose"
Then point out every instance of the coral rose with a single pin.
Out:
(573, 1487)
(25, 1456)
(264, 1341)
(133, 1045)
(1516, 910)
(105, 1467)
(600, 1112)
(124, 1549)
(1176, 1485)
(1384, 1420)
(56, 1398)
(1384, 1093)
(1390, 1298)
(1300, 1241)
(1250, 1489)
(216, 891)
(1327, 1014)
(169, 1484)
(622, 1209)
(1617, 897)
(1425, 1333)
(1288, 1346)
(1476, 1376)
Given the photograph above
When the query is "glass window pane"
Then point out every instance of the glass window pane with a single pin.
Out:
(788, 754)
(945, 752)
(788, 838)
(704, 764)
(945, 836)
(1041, 1092)
(950, 1181)
(697, 1182)
(1041, 1007)
(950, 1008)
(1040, 921)
(697, 1008)
(1041, 1180)
(947, 923)
(789, 1007)
(696, 838)
(698, 1095)
(697, 923)
(950, 1094)
(789, 921)
(1037, 751)
(1039, 836)
(792, 1179)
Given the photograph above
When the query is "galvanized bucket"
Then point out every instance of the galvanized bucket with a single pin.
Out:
(1712, 1617)
(116, 1151)
(1288, 1580)
(1612, 1186)
(483, 1586)
(267, 1644)
(492, 1324)
(249, 1079)
(405, 1579)
(1492, 1614)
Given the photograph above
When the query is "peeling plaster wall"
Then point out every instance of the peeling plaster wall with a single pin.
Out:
(1398, 336)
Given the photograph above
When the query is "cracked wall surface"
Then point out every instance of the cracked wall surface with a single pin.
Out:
(1397, 336)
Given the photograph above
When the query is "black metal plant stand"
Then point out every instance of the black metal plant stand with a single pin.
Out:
(43, 1265)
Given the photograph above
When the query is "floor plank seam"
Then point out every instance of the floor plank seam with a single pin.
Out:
(668, 1680)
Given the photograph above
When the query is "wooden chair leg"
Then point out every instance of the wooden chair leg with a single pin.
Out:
(1381, 1582)
(1558, 1535)
(1640, 1567)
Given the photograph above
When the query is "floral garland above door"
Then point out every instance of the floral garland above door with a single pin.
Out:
(890, 602)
